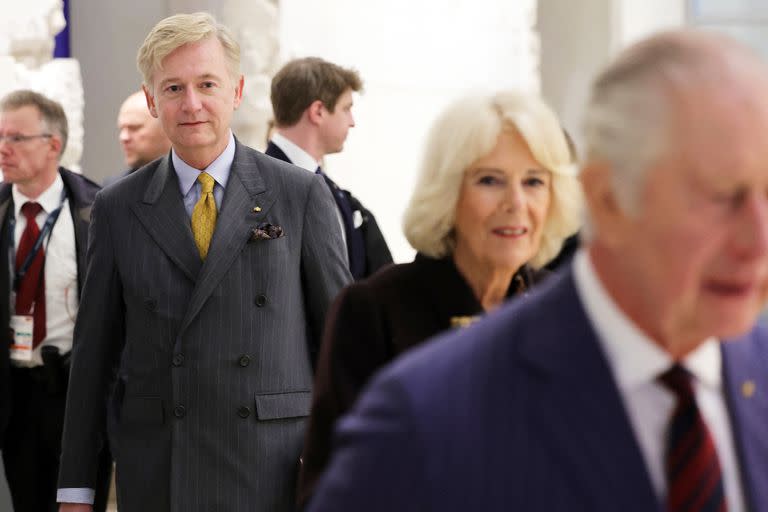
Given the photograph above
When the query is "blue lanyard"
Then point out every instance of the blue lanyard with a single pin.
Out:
(45, 231)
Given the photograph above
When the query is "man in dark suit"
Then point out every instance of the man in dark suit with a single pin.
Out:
(39, 200)
(142, 138)
(633, 382)
(209, 275)
(312, 104)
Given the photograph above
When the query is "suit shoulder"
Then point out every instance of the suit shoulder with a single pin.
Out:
(407, 282)
(132, 185)
(274, 169)
(83, 188)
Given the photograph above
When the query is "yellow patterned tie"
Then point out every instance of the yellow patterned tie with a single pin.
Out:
(204, 215)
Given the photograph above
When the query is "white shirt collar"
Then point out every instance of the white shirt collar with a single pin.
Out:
(49, 200)
(295, 154)
(219, 169)
(634, 358)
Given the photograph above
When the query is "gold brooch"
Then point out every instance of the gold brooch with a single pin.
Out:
(463, 321)
(748, 388)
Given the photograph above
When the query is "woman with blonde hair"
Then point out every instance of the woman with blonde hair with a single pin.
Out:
(496, 196)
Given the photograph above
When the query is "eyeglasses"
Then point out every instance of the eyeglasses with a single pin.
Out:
(18, 139)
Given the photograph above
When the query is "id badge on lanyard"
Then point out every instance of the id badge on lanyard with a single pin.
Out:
(22, 326)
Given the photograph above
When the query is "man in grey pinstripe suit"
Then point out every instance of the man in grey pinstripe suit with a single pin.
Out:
(195, 361)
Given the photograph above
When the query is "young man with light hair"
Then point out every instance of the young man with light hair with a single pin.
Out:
(312, 103)
(210, 274)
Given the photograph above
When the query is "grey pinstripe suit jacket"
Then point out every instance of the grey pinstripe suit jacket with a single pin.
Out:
(212, 360)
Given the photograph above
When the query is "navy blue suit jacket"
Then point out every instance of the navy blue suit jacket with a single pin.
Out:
(373, 253)
(520, 412)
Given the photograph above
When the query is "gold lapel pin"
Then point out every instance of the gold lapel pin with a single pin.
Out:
(748, 388)
(257, 209)
(463, 321)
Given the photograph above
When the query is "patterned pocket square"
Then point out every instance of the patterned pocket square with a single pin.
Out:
(266, 231)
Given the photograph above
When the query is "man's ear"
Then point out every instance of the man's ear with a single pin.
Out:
(150, 101)
(609, 219)
(57, 146)
(316, 112)
(239, 91)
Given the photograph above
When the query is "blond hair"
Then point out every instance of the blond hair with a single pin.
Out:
(178, 30)
(468, 130)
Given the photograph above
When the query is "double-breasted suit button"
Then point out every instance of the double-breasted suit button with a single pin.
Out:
(178, 359)
(150, 304)
(243, 412)
(179, 411)
(261, 300)
(244, 360)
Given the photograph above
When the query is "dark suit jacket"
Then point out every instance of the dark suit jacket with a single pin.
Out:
(372, 322)
(212, 359)
(520, 412)
(117, 177)
(81, 192)
(376, 251)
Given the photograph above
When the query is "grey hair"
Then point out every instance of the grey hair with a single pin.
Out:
(52, 114)
(628, 122)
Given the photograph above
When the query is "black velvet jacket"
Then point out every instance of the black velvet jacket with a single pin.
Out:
(373, 321)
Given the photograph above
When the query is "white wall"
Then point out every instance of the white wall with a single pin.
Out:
(414, 58)
(105, 38)
(579, 38)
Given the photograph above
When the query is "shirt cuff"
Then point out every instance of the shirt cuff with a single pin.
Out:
(76, 495)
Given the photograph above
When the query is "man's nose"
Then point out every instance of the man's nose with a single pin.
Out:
(752, 238)
(191, 101)
(124, 135)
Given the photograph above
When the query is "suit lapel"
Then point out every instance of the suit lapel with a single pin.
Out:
(581, 411)
(80, 212)
(746, 391)
(162, 214)
(275, 152)
(245, 191)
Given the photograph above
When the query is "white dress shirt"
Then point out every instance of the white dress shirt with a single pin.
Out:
(636, 362)
(301, 158)
(219, 170)
(61, 293)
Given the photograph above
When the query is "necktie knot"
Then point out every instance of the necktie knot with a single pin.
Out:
(206, 183)
(30, 210)
(678, 380)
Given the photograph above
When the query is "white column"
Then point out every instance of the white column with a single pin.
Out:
(27, 31)
(255, 26)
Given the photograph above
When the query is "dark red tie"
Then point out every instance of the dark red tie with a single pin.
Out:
(31, 292)
(693, 471)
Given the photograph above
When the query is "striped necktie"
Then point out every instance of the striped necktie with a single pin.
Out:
(30, 297)
(204, 215)
(694, 477)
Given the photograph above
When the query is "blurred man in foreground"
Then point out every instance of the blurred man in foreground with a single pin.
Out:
(636, 380)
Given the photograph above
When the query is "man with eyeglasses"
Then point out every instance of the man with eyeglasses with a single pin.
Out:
(44, 217)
